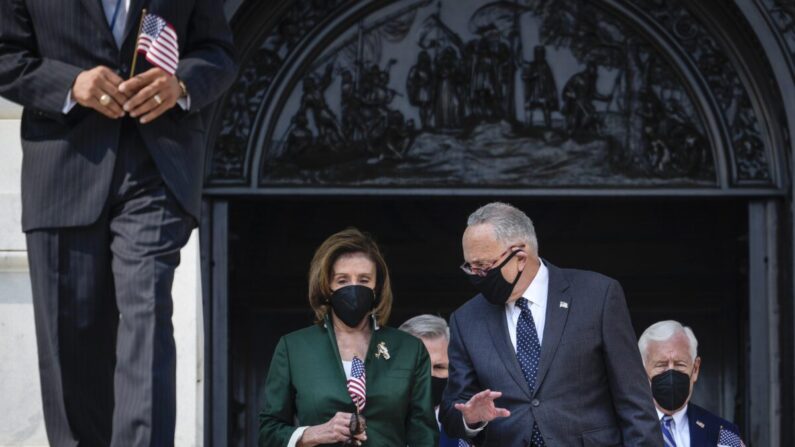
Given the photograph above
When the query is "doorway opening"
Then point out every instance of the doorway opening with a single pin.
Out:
(677, 258)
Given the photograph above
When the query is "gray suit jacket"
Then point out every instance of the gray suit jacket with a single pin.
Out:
(68, 160)
(592, 389)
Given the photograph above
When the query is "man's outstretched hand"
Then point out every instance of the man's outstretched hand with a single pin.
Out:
(480, 408)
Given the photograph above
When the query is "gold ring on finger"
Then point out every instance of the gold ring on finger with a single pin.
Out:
(158, 99)
(104, 99)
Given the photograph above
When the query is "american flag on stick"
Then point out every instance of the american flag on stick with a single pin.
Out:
(158, 41)
(357, 387)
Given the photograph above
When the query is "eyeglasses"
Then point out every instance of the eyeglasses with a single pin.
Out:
(486, 266)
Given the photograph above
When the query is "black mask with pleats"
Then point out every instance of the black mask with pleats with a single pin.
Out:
(352, 303)
(493, 286)
(437, 388)
(671, 389)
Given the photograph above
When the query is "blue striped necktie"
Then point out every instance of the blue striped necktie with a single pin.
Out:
(116, 13)
(668, 431)
(528, 352)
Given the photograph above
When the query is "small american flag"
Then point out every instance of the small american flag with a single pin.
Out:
(728, 438)
(158, 41)
(357, 387)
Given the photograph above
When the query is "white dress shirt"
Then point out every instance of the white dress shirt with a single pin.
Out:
(121, 17)
(680, 428)
(347, 365)
(536, 294)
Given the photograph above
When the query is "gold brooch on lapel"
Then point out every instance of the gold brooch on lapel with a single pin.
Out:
(381, 350)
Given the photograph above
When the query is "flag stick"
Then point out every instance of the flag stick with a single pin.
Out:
(137, 39)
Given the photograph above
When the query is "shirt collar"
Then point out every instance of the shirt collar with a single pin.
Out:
(536, 292)
(679, 416)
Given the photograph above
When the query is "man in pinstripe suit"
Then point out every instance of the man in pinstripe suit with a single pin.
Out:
(111, 188)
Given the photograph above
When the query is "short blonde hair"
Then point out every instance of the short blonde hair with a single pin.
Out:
(321, 272)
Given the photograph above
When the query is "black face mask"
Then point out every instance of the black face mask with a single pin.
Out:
(670, 389)
(352, 303)
(493, 286)
(437, 388)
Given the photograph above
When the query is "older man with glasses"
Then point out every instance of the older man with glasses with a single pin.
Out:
(542, 356)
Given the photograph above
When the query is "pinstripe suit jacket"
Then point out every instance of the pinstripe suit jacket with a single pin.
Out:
(68, 160)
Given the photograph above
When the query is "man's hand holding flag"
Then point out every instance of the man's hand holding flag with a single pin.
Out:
(156, 90)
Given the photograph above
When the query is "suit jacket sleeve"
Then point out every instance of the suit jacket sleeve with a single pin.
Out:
(207, 65)
(421, 426)
(35, 82)
(629, 385)
(462, 384)
(278, 412)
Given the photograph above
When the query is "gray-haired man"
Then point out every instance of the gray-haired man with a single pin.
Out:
(670, 355)
(542, 356)
(435, 335)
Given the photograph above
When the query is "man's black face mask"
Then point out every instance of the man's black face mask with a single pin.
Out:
(493, 286)
(671, 389)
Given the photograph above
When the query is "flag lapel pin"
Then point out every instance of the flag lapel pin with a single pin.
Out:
(700, 424)
(564, 305)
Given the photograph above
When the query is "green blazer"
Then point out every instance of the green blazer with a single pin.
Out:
(306, 386)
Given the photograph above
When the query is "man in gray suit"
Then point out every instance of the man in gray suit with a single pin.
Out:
(542, 356)
(111, 189)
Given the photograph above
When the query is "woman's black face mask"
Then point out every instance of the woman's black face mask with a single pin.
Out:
(352, 303)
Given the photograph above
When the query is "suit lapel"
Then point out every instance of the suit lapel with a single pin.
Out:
(95, 10)
(341, 386)
(699, 432)
(134, 18)
(555, 320)
(498, 328)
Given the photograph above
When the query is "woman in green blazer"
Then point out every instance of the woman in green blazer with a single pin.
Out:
(312, 389)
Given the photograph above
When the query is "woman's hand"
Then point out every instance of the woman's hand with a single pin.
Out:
(337, 429)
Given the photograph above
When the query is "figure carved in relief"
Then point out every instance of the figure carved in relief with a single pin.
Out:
(314, 101)
(398, 135)
(448, 102)
(540, 89)
(348, 104)
(375, 86)
(419, 86)
(300, 138)
(579, 93)
(488, 56)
